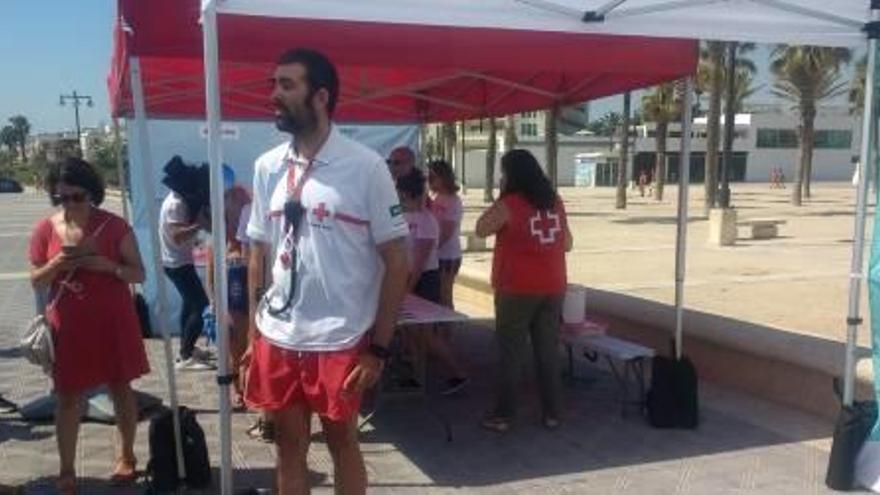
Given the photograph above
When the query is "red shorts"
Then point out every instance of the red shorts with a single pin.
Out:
(280, 378)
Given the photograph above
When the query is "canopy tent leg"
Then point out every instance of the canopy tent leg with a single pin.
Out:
(857, 271)
(142, 135)
(684, 177)
(218, 237)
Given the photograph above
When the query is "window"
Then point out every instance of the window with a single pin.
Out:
(777, 138)
(527, 129)
(833, 139)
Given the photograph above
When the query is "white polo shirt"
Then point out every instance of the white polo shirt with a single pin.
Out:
(350, 206)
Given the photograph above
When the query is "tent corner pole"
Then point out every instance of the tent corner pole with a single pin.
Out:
(149, 194)
(857, 270)
(684, 177)
(218, 236)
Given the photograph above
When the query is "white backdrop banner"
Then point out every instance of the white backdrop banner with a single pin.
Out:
(243, 143)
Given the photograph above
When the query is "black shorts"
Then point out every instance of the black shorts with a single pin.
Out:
(428, 286)
(450, 267)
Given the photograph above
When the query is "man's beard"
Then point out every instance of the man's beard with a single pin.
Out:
(301, 123)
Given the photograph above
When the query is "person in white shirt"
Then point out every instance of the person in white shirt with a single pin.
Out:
(424, 273)
(447, 208)
(326, 215)
(178, 232)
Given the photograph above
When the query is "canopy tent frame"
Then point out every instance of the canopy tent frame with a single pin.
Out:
(857, 267)
(617, 10)
(142, 136)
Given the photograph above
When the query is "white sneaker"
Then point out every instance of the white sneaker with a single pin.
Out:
(204, 355)
(193, 364)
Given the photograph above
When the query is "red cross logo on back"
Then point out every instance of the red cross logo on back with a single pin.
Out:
(321, 212)
(544, 226)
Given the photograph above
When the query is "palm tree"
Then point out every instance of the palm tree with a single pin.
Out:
(711, 78)
(743, 89)
(661, 108)
(807, 75)
(9, 138)
(714, 59)
(857, 87)
(491, 151)
(552, 143)
(620, 198)
(22, 131)
(449, 140)
(510, 138)
(608, 125)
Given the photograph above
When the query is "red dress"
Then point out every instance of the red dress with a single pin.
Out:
(97, 332)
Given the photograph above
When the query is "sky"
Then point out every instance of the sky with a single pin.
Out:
(53, 47)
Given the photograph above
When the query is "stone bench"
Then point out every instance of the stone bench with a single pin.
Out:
(763, 228)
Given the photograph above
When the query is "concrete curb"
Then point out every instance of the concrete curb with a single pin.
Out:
(793, 368)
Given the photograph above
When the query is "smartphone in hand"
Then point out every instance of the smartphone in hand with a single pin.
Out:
(73, 251)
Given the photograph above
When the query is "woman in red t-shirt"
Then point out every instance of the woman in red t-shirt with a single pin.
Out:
(87, 257)
(528, 275)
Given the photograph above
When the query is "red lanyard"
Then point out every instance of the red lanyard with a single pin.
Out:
(294, 187)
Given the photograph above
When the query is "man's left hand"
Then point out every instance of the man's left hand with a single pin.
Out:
(364, 375)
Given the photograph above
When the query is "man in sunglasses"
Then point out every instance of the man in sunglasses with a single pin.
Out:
(326, 214)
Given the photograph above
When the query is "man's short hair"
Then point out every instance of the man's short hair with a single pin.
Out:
(320, 72)
(412, 185)
(404, 150)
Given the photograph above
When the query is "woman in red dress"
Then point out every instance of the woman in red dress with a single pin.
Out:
(87, 257)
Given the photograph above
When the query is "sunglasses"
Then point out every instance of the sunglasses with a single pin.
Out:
(393, 162)
(78, 197)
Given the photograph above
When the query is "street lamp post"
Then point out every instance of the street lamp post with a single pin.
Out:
(77, 100)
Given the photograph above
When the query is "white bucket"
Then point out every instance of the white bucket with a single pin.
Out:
(574, 306)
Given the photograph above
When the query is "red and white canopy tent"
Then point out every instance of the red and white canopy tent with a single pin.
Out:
(411, 61)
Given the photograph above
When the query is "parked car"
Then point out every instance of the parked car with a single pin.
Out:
(10, 186)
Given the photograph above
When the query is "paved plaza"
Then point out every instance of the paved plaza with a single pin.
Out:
(632, 251)
(743, 445)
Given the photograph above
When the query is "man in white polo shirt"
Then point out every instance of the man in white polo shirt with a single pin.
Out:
(326, 216)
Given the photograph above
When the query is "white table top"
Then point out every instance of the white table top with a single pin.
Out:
(416, 310)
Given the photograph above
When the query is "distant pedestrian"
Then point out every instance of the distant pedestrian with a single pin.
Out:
(643, 181)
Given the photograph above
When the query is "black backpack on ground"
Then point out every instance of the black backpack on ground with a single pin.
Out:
(854, 423)
(162, 468)
(672, 399)
(143, 314)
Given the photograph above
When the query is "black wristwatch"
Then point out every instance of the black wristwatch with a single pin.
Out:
(380, 352)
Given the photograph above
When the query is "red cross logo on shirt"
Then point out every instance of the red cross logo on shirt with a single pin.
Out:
(321, 212)
(545, 225)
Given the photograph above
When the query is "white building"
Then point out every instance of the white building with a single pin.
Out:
(765, 138)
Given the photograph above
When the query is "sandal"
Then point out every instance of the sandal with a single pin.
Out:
(256, 429)
(268, 432)
(262, 430)
(125, 472)
(498, 424)
(237, 402)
